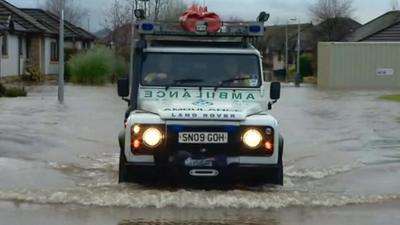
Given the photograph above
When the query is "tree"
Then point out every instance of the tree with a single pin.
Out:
(333, 18)
(394, 4)
(119, 21)
(328, 9)
(118, 14)
(73, 11)
(166, 9)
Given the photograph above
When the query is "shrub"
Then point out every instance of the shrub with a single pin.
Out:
(69, 53)
(2, 90)
(34, 73)
(306, 65)
(15, 92)
(12, 92)
(96, 67)
(120, 68)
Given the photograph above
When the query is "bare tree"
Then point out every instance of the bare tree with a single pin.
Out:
(73, 11)
(333, 22)
(333, 18)
(394, 4)
(118, 14)
(328, 9)
(169, 10)
(118, 20)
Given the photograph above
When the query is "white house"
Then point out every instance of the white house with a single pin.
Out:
(30, 39)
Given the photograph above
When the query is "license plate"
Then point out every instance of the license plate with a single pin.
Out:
(203, 137)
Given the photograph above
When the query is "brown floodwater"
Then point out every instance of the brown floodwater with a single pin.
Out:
(59, 164)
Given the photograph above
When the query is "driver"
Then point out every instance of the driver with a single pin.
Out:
(160, 73)
(233, 71)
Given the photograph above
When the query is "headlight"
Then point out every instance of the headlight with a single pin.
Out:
(152, 137)
(252, 138)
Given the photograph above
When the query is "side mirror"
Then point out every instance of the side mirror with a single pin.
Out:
(275, 91)
(123, 87)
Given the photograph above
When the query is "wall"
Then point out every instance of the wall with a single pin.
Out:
(71, 44)
(37, 52)
(50, 67)
(23, 56)
(9, 64)
(361, 65)
(278, 62)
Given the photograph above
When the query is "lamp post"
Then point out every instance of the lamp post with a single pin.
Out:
(132, 46)
(297, 76)
(286, 52)
(61, 57)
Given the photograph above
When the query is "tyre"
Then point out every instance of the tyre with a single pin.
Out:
(122, 172)
(279, 175)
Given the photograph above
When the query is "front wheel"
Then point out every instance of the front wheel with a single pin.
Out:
(279, 175)
(122, 172)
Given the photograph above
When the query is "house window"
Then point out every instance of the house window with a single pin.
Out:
(54, 51)
(4, 46)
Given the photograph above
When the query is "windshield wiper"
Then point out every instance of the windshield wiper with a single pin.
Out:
(223, 82)
(183, 81)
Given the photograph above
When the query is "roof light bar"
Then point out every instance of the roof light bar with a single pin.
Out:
(228, 29)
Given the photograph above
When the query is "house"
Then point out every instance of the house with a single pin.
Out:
(74, 37)
(119, 40)
(275, 45)
(335, 29)
(30, 39)
(103, 33)
(367, 60)
(385, 28)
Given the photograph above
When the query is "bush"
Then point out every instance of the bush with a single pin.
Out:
(120, 69)
(96, 67)
(15, 92)
(12, 92)
(34, 74)
(2, 90)
(306, 65)
(69, 53)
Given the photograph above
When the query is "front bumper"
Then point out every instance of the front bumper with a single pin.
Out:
(231, 173)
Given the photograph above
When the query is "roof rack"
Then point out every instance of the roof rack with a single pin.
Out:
(228, 29)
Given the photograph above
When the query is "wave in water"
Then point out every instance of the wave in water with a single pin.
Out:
(316, 174)
(131, 196)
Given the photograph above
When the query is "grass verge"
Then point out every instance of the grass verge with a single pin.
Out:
(395, 98)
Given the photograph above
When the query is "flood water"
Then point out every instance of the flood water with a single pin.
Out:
(59, 164)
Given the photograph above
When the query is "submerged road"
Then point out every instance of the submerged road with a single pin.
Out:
(59, 164)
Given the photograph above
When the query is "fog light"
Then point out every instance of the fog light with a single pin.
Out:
(252, 138)
(152, 137)
(136, 144)
(269, 146)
